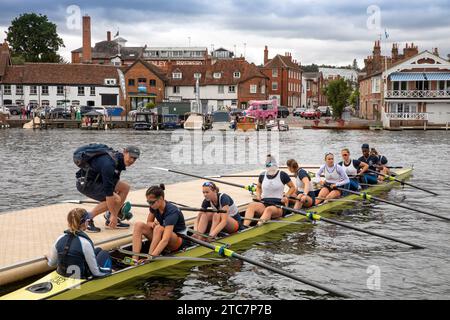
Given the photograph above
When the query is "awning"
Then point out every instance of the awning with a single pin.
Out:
(416, 76)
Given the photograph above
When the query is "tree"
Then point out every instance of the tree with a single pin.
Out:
(354, 97)
(338, 93)
(355, 65)
(34, 38)
(150, 105)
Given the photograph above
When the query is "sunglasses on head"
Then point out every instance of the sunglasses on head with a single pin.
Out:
(84, 218)
(208, 184)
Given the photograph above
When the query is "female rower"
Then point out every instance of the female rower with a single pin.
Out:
(164, 224)
(335, 177)
(74, 253)
(381, 164)
(229, 221)
(353, 168)
(305, 189)
(270, 190)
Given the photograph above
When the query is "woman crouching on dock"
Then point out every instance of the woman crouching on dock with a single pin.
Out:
(335, 177)
(164, 222)
(74, 253)
(229, 221)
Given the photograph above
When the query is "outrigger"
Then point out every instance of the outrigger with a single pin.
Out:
(54, 286)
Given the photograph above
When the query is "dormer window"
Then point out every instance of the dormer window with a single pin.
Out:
(217, 75)
(110, 82)
(237, 75)
(197, 75)
(177, 75)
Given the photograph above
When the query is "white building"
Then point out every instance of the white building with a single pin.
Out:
(48, 84)
(417, 92)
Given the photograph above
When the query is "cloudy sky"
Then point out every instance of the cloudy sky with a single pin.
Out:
(330, 32)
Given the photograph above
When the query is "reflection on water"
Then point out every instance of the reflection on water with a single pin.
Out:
(36, 169)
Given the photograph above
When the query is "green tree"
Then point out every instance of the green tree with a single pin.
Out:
(34, 38)
(338, 94)
(354, 97)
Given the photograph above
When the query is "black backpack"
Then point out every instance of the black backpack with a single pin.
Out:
(83, 155)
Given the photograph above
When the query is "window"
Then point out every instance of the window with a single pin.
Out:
(152, 83)
(44, 90)
(92, 91)
(237, 75)
(110, 82)
(376, 84)
(441, 85)
(221, 89)
(60, 90)
(263, 89)
(274, 73)
(33, 90)
(81, 91)
(142, 81)
(217, 75)
(177, 75)
(422, 85)
(176, 89)
(404, 108)
(253, 88)
(7, 89)
(308, 85)
(274, 85)
(19, 89)
(75, 102)
(44, 103)
(20, 103)
(131, 82)
(232, 89)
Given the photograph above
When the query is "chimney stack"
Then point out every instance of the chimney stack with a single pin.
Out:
(87, 50)
(266, 55)
(108, 36)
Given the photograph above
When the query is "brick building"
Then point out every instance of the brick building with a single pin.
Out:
(285, 79)
(144, 83)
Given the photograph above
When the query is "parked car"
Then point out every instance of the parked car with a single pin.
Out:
(324, 111)
(283, 112)
(59, 112)
(311, 114)
(86, 109)
(298, 111)
(14, 109)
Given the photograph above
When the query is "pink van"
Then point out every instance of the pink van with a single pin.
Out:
(262, 109)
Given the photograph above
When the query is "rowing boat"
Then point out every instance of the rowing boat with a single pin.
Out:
(54, 286)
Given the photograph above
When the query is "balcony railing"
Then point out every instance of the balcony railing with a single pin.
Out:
(407, 116)
(418, 94)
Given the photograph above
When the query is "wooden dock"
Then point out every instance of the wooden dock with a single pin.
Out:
(27, 235)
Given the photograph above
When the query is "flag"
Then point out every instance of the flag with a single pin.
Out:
(386, 34)
(117, 34)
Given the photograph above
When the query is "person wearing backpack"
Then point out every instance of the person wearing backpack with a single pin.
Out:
(99, 179)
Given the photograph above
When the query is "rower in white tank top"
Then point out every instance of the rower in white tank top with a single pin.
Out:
(300, 184)
(272, 188)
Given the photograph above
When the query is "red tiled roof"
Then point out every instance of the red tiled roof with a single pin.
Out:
(227, 68)
(54, 73)
(281, 61)
(154, 69)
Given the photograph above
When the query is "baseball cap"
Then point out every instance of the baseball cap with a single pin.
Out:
(365, 146)
(133, 151)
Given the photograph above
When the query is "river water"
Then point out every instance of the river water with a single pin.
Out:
(37, 170)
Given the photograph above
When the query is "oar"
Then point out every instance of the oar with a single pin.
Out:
(251, 188)
(239, 176)
(154, 258)
(368, 197)
(229, 253)
(315, 217)
(182, 208)
(391, 178)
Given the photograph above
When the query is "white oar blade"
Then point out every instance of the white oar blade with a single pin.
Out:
(161, 169)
